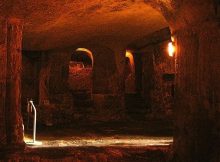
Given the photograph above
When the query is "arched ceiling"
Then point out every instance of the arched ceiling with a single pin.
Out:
(52, 24)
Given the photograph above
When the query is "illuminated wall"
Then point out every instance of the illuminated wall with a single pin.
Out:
(129, 73)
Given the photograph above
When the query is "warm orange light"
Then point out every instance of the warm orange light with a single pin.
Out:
(172, 38)
(88, 52)
(171, 49)
(131, 59)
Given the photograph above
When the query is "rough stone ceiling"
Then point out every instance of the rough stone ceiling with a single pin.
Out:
(52, 24)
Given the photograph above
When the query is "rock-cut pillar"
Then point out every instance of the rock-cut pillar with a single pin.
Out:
(14, 128)
(3, 65)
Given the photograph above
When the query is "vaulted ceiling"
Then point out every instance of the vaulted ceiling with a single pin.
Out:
(52, 24)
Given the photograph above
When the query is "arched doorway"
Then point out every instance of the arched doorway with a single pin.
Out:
(80, 70)
(80, 82)
(129, 73)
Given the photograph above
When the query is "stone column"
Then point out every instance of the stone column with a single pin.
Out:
(148, 75)
(3, 65)
(14, 121)
(138, 71)
(197, 107)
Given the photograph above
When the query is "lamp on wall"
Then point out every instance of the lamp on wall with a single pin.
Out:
(171, 48)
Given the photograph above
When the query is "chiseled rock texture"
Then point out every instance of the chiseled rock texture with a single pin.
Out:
(109, 27)
(91, 154)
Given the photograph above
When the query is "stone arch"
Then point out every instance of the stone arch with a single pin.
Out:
(80, 70)
(129, 73)
(88, 53)
(130, 56)
(103, 66)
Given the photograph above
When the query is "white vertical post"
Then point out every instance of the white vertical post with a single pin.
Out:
(35, 119)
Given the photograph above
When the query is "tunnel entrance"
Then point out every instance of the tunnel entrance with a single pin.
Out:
(80, 70)
(153, 71)
(144, 107)
(118, 89)
(130, 86)
(80, 81)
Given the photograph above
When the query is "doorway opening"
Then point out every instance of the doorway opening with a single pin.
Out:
(129, 73)
(80, 83)
(80, 70)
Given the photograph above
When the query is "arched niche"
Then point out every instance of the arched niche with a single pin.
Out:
(80, 70)
(86, 52)
(129, 73)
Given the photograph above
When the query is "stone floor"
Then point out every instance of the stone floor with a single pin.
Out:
(104, 135)
(150, 141)
(122, 141)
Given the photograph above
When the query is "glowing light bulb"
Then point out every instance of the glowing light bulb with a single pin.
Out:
(171, 49)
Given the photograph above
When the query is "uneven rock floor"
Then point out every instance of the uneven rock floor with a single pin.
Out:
(133, 134)
(99, 142)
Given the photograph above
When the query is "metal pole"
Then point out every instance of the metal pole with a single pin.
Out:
(28, 111)
(34, 123)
